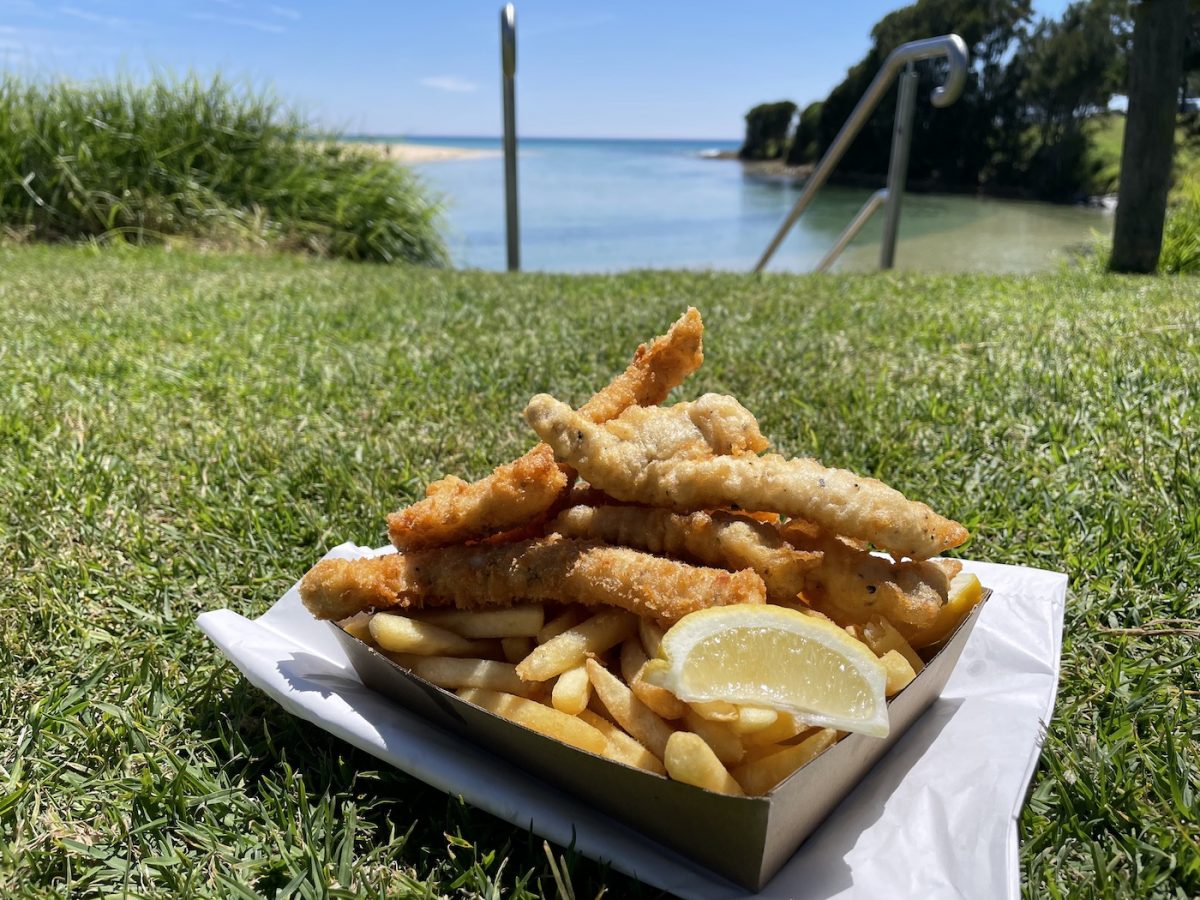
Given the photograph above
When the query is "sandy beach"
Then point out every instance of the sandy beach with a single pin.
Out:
(425, 153)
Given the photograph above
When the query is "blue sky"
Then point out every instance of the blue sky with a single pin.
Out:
(617, 69)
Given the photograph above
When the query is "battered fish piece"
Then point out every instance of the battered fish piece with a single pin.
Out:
(721, 539)
(520, 492)
(568, 571)
(837, 501)
(712, 424)
(657, 369)
(851, 585)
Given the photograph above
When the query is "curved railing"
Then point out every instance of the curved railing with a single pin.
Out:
(950, 46)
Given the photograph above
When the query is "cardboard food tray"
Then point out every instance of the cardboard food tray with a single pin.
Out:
(745, 839)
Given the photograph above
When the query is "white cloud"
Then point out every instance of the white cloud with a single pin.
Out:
(285, 11)
(239, 22)
(450, 83)
(96, 18)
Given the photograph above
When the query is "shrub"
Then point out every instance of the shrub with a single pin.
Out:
(205, 160)
(1181, 231)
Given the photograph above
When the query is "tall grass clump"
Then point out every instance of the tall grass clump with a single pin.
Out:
(1181, 230)
(204, 160)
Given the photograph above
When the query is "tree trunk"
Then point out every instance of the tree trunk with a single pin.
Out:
(1154, 70)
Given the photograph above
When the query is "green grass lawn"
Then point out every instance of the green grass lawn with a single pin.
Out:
(180, 433)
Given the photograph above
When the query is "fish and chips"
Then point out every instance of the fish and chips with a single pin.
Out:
(542, 592)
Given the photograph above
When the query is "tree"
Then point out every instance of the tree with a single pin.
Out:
(768, 128)
(1072, 67)
(1154, 77)
(804, 147)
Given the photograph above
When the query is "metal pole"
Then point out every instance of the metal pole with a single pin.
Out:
(898, 167)
(508, 64)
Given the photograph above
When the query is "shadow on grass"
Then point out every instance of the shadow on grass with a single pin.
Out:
(259, 746)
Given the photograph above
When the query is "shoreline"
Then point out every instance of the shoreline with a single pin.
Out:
(410, 154)
(778, 170)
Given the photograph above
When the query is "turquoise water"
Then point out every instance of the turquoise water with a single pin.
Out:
(611, 205)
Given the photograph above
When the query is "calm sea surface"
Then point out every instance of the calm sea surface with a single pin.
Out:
(609, 205)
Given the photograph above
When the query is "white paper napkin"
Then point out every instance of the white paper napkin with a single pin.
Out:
(937, 817)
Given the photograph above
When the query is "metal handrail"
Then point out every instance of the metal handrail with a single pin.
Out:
(868, 209)
(951, 46)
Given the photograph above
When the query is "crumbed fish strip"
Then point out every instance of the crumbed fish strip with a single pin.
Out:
(722, 539)
(715, 423)
(454, 511)
(837, 501)
(850, 585)
(563, 570)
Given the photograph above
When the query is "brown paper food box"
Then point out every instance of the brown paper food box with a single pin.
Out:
(745, 839)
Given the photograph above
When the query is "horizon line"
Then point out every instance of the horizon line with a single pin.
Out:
(535, 137)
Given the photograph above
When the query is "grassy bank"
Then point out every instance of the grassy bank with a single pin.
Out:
(209, 162)
(180, 433)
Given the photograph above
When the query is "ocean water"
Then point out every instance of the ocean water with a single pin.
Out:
(612, 205)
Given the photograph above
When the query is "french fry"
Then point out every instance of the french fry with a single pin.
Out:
(621, 746)
(632, 658)
(514, 621)
(659, 699)
(568, 618)
(899, 672)
(724, 743)
(690, 760)
(651, 634)
(596, 705)
(964, 593)
(628, 711)
(404, 635)
(453, 672)
(783, 728)
(881, 636)
(358, 626)
(716, 710)
(544, 719)
(761, 775)
(571, 691)
(516, 649)
(753, 718)
(571, 647)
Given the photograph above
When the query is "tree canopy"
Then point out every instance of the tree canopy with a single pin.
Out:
(768, 129)
(1019, 124)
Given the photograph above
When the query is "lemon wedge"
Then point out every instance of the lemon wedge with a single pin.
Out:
(763, 655)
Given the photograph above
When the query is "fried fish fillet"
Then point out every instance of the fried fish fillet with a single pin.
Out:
(519, 492)
(657, 368)
(721, 539)
(715, 423)
(631, 467)
(558, 569)
(850, 585)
